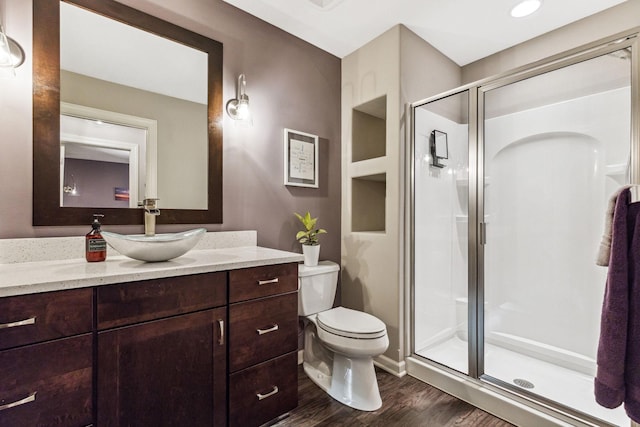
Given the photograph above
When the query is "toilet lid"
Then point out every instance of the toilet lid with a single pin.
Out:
(351, 323)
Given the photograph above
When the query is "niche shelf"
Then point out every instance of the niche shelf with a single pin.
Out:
(368, 198)
(369, 130)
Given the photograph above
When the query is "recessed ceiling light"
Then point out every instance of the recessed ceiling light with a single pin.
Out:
(525, 8)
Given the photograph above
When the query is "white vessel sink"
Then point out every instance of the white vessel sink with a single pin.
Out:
(161, 247)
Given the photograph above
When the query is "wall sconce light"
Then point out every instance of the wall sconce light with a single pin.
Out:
(11, 54)
(238, 108)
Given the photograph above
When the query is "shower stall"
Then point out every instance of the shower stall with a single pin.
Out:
(510, 179)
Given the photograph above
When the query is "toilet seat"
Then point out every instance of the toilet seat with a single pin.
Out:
(351, 323)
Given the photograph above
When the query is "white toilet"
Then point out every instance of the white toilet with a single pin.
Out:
(339, 343)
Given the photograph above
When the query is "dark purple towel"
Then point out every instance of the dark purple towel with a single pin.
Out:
(618, 377)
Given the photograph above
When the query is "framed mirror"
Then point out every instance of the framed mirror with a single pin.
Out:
(189, 121)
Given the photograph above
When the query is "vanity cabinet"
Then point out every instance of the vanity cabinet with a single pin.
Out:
(210, 349)
(263, 341)
(46, 359)
(161, 352)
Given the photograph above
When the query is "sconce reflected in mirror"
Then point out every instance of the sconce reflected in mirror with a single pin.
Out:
(70, 188)
(238, 107)
(11, 54)
(438, 148)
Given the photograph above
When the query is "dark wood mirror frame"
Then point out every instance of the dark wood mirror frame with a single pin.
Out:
(46, 117)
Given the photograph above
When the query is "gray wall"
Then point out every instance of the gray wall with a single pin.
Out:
(290, 84)
(95, 183)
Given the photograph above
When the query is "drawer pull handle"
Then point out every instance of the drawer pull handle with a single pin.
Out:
(267, 282)
(266, 331)
(221, 325)
(30, 398)
(29, 321)
(271, 393)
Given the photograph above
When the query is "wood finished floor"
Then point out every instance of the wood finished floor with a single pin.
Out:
(406, 402)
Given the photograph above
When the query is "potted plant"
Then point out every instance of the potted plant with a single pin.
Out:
(309, 238)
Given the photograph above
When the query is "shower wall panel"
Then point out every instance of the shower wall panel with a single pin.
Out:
(441, 234)
(549, 172)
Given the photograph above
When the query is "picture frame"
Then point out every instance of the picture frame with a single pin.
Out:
(121, 194)
(301, 159)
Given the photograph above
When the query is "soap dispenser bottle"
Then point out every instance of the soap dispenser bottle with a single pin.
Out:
(96, 246)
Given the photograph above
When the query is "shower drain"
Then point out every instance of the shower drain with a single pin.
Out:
(523, 383)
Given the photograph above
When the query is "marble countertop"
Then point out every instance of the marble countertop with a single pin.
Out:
(44, 276)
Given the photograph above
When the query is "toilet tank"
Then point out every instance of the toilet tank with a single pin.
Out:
(317, 287)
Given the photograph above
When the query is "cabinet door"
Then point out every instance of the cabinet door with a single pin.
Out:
(47, 384)
(169, 372)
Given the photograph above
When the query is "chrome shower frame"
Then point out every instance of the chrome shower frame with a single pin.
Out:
(468, 387)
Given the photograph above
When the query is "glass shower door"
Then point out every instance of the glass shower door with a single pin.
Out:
(555, 147)
(440, 231)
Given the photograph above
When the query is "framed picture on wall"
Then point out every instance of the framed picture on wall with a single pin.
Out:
(300, 159)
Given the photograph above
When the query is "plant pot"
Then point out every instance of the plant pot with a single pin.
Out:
(311, 254)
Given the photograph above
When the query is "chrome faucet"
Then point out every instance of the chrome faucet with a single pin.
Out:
(151, 211)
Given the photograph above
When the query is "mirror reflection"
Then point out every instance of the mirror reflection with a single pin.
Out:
(110, 72)
(106, 158)
(108, 66)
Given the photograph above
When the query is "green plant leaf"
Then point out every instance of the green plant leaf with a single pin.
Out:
(310, 236)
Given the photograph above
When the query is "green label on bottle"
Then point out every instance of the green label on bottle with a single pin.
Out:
(97, 245)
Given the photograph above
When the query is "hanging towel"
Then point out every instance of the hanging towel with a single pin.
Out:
(604, 251)
(618, 373)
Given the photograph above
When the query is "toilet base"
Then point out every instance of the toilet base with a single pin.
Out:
(352, 382)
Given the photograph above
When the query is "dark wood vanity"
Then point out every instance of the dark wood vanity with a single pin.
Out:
(211, 349)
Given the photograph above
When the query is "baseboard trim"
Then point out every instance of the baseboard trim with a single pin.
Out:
(399, 369)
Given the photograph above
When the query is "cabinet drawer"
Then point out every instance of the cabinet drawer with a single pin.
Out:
(49, 383)
(135, 302)
(259, 282)
(262, 329)
(263, 392)
(28, 319)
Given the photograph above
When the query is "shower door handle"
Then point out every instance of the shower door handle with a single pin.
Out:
(482, 231)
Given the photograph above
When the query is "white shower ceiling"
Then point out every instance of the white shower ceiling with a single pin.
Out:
(464, 30)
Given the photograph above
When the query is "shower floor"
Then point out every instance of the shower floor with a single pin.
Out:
(562, 385)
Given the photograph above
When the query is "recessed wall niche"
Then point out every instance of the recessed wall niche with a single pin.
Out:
(368, 198)
(369, 129)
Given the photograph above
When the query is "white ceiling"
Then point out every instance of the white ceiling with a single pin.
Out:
(464, 30)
